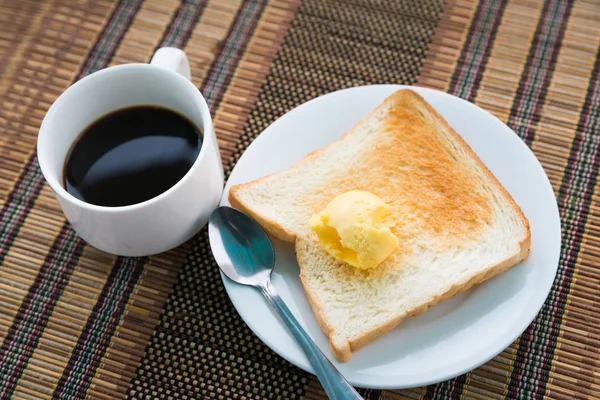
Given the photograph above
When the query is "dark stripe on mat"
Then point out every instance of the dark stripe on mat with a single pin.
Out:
(538, 344)
(99, 329)
(33, 314)
(234, 45)
(182, 24)
(32, 317)
(537, 340)
(477, 49)
(18, 204)
(527, 108)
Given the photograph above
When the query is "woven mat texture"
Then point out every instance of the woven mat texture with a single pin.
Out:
(79, 323)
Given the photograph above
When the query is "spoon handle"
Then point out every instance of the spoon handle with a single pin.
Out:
(335, 385)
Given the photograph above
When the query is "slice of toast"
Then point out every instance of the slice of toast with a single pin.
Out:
(457, 226)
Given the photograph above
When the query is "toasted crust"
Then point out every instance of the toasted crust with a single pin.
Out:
(342, 347)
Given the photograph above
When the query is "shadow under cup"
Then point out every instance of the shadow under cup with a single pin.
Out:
(164, 221)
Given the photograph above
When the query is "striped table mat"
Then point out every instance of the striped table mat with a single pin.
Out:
(75, 322)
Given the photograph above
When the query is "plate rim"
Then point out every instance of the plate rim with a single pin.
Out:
(502, 342)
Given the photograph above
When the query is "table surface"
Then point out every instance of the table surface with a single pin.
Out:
(75, 322)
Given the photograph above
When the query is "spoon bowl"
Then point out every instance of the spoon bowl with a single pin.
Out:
(243, 251)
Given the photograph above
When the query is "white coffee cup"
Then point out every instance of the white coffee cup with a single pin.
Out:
(167, 220)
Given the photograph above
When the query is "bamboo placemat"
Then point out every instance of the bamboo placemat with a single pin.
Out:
(75, 322)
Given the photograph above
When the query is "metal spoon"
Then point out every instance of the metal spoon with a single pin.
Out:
(245, 255)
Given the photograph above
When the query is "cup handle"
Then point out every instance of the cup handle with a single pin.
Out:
(172, 59)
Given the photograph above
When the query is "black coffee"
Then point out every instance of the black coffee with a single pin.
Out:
(131, 155)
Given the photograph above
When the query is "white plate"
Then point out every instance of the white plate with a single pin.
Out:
(458, 334)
